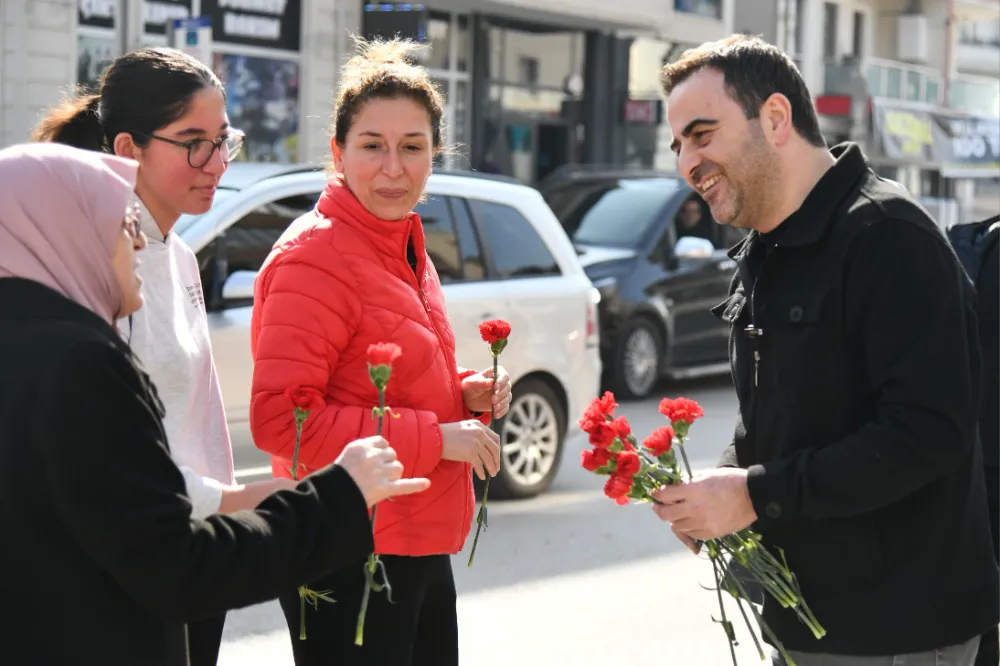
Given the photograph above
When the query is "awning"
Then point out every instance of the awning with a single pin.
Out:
(958, 145)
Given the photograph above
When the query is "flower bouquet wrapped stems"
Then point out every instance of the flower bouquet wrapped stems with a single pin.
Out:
(636, 471)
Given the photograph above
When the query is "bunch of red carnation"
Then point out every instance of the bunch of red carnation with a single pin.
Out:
(634, 470)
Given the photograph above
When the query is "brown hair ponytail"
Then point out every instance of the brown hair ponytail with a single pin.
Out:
(74, 122)
(140, 92)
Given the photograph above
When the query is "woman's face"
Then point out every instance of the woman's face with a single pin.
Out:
(126, 265)
(167, 184)
(387, 156)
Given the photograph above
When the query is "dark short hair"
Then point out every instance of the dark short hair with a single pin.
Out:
(753, 71)
(385, 70)
(140, 93)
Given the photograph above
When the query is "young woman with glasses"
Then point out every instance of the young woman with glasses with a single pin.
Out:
(167, 111)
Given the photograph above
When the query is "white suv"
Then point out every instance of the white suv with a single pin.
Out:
(500, 252)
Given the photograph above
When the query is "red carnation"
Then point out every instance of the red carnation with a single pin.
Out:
(306, 399)
(681, 410)
(660, 440)
(383, 353)
(602, 435)
(618, 487)
(622, 428)
(594, 459)
(494, 330)
(628, 465)
(598, 412)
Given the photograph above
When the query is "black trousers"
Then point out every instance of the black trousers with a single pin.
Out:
(989, 643)
(419, 629)
(205, 640)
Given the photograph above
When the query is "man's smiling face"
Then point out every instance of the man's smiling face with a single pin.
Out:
(720, 152)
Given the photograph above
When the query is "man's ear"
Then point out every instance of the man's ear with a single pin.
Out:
(124, 146)
(776, 119)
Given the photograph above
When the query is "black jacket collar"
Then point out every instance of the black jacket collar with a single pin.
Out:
(812, 220)
(27, 300)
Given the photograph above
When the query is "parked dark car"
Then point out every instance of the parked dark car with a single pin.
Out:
(650, 246)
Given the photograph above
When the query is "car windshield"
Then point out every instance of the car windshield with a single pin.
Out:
(617, 215)
(187, 221)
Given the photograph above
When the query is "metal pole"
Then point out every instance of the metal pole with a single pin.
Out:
(949, 37)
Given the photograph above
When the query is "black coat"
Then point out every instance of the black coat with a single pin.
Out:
(858, 382)
(102, 562)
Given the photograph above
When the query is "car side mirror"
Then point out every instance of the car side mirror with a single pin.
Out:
(692, 247)
(239, 286)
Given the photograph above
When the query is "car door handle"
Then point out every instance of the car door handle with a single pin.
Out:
(486, 316)
(727, 265)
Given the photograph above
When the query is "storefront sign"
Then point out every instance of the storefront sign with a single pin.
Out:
(274, 24)
(914, 135)
(642, 112)
(157, 14)
(193, 37)
(161, 13)
(96, 13)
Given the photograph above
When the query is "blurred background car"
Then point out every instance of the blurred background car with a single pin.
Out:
(649, 244)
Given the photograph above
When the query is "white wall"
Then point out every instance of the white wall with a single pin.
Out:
(37, 62)
(323, 53)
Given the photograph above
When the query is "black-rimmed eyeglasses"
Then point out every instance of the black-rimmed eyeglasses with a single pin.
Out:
(200, 151)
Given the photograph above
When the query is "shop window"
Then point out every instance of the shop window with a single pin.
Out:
(706, 8)
(517, 249)
(263, 101)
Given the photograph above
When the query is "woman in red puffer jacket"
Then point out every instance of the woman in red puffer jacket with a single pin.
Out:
(352, 273)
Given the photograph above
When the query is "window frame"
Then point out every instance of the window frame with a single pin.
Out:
(445, 200)
(215, 225)
(489, 258)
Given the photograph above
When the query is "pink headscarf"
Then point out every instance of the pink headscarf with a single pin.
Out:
(61, 211)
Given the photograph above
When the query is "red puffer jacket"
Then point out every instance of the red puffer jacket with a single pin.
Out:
(337, 281)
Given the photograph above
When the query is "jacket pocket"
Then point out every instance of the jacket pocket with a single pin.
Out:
(831, 558)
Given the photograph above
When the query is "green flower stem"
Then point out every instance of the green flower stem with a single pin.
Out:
(481, 516)
(359, 631)
(727, 626)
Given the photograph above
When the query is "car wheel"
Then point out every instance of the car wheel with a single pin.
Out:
(531, 441)
(636, 366)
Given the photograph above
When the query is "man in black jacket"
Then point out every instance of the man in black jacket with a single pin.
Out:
(854, 352)
(978, 248)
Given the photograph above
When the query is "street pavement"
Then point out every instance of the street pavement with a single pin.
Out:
(570, 578)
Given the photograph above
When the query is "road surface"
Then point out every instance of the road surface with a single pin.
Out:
(570, 578)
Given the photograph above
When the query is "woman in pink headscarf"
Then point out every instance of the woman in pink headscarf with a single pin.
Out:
(102, 561)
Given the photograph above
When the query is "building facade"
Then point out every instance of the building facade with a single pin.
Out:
(529, 88)
(917, 83)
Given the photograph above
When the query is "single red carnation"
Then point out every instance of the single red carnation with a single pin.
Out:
(628, 464)
(494, 330)
(660, 440)
(594, 459)
(598, 412)
(306, 399)
(681, 410)
(383, 353)
(618, 487)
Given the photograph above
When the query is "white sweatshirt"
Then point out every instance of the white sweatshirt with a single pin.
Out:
(169, 335)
